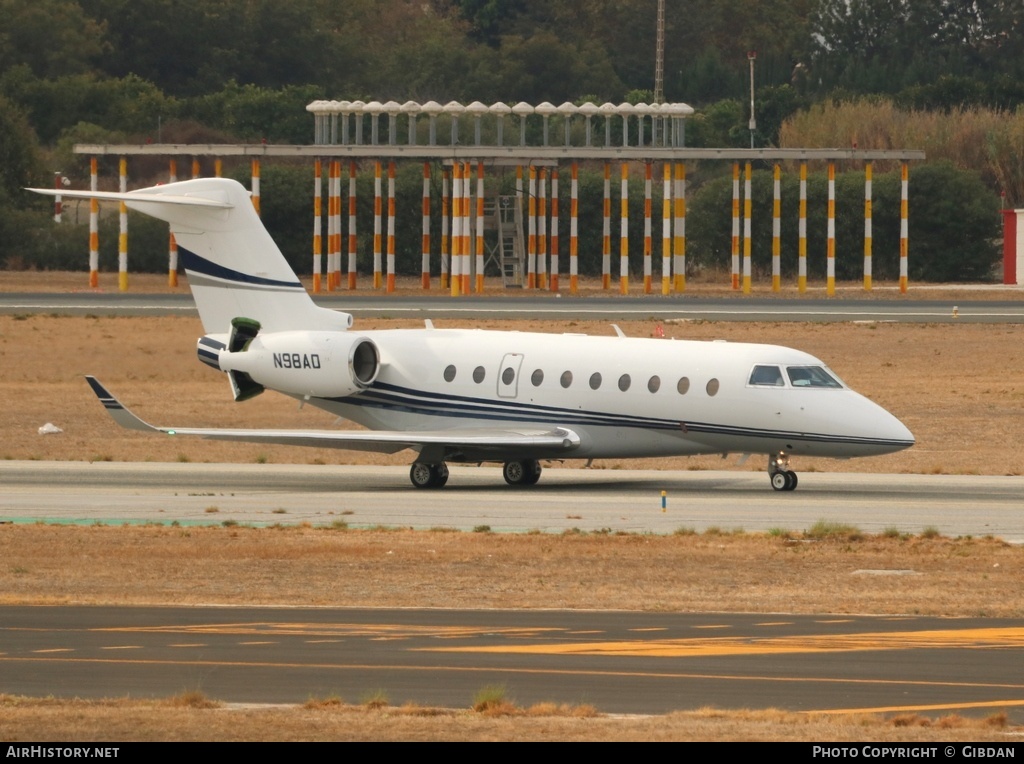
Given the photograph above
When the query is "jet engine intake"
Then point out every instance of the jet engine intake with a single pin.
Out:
(317, 364)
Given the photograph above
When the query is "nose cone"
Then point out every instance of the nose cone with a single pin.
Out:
(872, 429)
(843, 423)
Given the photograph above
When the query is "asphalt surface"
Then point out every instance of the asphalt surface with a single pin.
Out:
(621, 662)
(556, 308)
(565, 498)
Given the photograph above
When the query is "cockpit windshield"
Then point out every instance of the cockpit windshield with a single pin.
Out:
(767, 376)
(811, 376)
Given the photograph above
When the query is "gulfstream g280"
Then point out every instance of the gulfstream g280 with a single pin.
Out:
(487, 396)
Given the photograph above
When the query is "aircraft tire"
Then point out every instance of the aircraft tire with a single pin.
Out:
(785, 480)
(423, 475)
(525, 472)
(780, 481)
(440, 475)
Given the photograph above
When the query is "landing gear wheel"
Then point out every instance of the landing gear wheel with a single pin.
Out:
(526, 472)
(425, 475)
(784, 481)
(779, 481)
(783, 478)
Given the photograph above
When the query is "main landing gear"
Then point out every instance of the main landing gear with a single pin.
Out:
(525, 472)
(425, 475)
(783, 478)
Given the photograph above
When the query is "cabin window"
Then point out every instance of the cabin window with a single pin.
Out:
(508, 376)
(449, 373)
(683, 385)
(537, 377)
(595, 380)
(654, 384)
(478, 374)
(712, 387)
(766, 376)
(624, 382)
(811, 376)
(566, 379)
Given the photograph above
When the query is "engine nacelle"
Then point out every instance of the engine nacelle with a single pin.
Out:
(318, 364)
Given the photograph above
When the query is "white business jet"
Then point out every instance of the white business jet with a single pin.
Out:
(514, 398)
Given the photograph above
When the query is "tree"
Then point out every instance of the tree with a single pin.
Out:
(52, 37)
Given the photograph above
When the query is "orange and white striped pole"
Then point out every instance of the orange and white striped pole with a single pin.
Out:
(444, 228)
(456, 278)
(425, 241)
(467, 217)
(318, 191)
(391, 228)
(519, 203)
(624, 231)
(830, 273)
(867, 227)
(648, 234)
(735, 225)
(122, 238)
(172, 244)
(542, 229)
(666, 229)
(554, 229)
(196, 169)
(531, 227)
(333, 225)
(479, 226)
(58, 204)
(353, 239)
(574, 193)
(776, 228)
(255, 184)
(679, 243)
(802, 233)
(904, 246)
(747, 214)
(606, 241)
(378, 202)
(94, 228)
(218, 167)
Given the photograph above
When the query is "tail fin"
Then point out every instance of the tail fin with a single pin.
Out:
(234, 268)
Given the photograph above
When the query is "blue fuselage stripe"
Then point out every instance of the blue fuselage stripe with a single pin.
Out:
(394, 398)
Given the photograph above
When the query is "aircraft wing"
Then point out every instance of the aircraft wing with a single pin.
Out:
(535, 440)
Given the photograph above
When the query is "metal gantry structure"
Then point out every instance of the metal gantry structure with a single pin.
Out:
(354, 132)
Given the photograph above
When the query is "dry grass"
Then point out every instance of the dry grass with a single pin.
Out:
(128, 719)
(305, 566)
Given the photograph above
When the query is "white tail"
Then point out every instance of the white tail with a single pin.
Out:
(234, 268)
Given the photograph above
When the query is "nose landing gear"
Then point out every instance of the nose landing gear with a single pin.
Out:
(783, 478)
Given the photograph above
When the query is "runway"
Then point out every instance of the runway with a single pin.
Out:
(548, 307)
(619, 662)
(565, 498)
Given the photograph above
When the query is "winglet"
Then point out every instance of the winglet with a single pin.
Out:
(121, 415)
